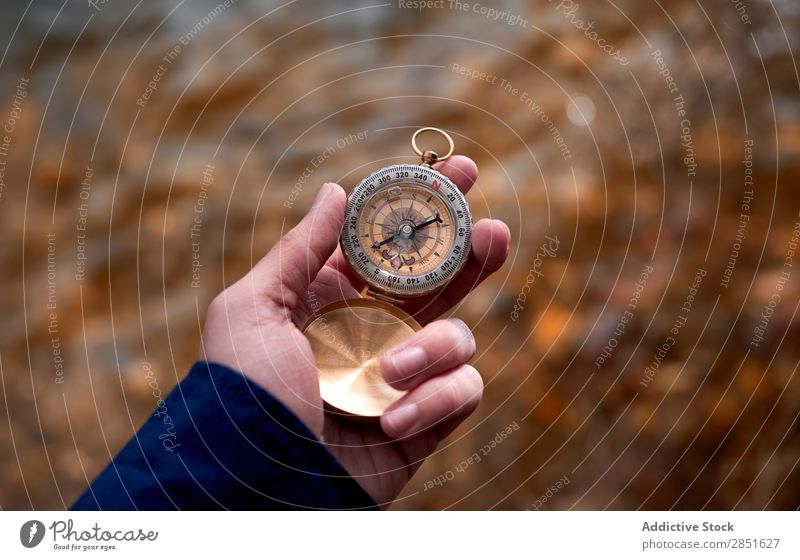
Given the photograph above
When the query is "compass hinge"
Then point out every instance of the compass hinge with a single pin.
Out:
(381, 297)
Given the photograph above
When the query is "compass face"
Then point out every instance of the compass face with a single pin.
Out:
(407, 230)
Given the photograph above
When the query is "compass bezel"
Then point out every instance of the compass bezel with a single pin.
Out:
(450, 264)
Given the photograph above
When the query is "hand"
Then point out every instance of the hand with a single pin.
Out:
(253, 327)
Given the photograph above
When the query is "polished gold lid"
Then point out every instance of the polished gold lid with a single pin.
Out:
(348, 339)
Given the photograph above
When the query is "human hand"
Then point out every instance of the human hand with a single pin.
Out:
(254, 327)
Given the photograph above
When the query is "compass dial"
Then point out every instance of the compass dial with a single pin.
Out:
(407, 230)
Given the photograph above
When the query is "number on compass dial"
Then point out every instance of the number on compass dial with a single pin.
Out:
(406, 231)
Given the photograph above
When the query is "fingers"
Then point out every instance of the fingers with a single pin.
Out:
(339, 263)
(287, 270)
(459, 169)
(441, 400)
(437, 348)
(490, 244)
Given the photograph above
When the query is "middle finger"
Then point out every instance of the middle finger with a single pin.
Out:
(438, 347)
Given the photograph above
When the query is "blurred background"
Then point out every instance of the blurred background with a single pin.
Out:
(639, 348)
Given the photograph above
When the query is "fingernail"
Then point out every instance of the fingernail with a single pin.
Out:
(400, 420)
(321, 195)
(408, 361)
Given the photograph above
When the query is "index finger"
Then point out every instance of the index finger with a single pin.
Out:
(459, 169)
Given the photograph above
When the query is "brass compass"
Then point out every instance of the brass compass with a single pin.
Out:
(406, 234)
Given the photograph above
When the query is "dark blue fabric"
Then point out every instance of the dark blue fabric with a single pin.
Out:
(219, 441)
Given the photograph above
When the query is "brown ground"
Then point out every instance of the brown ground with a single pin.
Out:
(261, 95)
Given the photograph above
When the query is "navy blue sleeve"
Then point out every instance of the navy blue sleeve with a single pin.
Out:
(219, 441)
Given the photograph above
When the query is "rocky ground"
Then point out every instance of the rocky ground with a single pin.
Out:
(638, 349)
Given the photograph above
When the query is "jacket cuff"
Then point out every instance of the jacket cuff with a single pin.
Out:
(220, 441)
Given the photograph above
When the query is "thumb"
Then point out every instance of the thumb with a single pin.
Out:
(291, 265)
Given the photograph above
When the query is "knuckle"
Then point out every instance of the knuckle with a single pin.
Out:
(450, 395)
(389, 371)
(463, 391)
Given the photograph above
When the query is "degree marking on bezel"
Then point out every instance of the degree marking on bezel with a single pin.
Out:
(415, 285)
